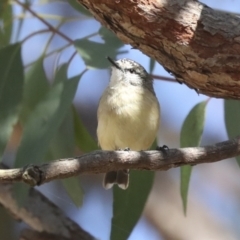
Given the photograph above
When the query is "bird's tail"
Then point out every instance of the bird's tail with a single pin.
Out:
(121, 178)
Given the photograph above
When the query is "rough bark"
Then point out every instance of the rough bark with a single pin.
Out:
(28, 234)
(198, 45)
(106, 161)
(46, 218)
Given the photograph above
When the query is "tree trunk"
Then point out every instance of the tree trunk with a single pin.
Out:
(198, 45)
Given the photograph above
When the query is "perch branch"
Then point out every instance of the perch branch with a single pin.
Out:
(105, 161)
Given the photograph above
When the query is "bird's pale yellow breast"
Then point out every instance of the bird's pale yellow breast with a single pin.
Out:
(128, 116)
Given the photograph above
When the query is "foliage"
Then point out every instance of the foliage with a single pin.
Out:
(232, 119)
(190, 136)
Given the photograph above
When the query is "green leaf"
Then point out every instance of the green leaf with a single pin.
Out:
(11, 88)
(60, 74)
(74, 190)
(129, 204)
(232, 119)
(152, 64)
(110, 38)
(184, 185)
(46, 118)
(35, 87)
(191, 134)
(193, 125)
(83, 139)
(20, 193)
(6, 22)
(77, 6)
(154, 145)
(62, 146)
(94, 54)
(63, 143)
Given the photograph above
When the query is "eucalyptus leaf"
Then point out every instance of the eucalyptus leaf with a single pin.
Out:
(62, 146)
(193, 125)
(20, 193)
(6, 20)
(36, 86)
(11, 89)
(110, 38)
(190, 136)
(80, 8)
(152, 64)
(94, 54)
(74, 190)
(232, 119)
(128, 204)
(83, 139)
(45, 119)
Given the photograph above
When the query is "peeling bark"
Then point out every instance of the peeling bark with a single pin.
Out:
(198, 45)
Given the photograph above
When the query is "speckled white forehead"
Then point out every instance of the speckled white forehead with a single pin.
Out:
(130, 71)
(128, 63)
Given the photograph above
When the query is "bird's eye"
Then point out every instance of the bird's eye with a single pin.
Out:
(131, 70)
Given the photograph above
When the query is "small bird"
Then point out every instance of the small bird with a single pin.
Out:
(128, 114)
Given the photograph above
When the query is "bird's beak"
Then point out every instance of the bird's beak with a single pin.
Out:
(113, 63)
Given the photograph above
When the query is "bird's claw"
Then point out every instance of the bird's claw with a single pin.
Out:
(164, 148)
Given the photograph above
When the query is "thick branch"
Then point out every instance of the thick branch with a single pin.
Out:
(199, 45)
(42, 215)
(105, 161)
(29, 234)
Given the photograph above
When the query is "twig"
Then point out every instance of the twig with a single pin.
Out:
(49, 54)
(105, 161)
(169, 79)
(35, 33)
(72, 57)
(24, 6)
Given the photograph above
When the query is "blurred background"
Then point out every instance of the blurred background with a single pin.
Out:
(213, 210)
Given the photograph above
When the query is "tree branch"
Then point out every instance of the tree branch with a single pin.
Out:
(105, 161)
(29, 234)
(46, 217)
(197, 44)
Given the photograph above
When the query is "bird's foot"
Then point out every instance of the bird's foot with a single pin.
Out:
(125, 149)
(164, 148)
